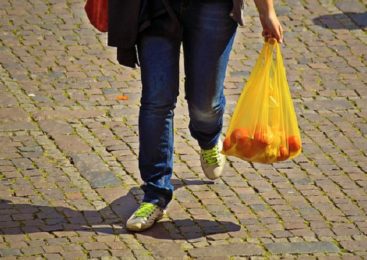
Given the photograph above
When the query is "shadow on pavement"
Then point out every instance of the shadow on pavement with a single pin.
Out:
(27, 218)
(342, 21)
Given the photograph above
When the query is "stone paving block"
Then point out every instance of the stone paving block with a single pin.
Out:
(354, 246)
(95, 171)
(10, 252)
(53, 256)
(71, 144)
(17, 126)
(243, 249)
(165, 249)
(13, 114)
(302, 248)
(54, 127)
(123, 254)
(348, 6)
(68, 114)
(23, 163)
(7, 100)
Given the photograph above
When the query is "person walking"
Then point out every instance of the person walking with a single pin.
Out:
(206, 29)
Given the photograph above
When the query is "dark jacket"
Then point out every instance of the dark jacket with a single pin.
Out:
(123, 27)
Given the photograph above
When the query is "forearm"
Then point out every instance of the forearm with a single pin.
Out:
(265, 7)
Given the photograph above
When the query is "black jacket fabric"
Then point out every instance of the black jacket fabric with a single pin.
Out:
(129, 17)
(123, 24)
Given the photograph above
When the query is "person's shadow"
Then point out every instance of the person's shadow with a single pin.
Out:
(27, 218)
(339, 21)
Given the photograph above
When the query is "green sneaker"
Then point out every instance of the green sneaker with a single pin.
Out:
(144, 217)
(212, 161)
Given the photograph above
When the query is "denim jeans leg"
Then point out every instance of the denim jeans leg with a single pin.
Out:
(208, 37)
(159, 59)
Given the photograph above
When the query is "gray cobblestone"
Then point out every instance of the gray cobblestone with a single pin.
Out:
(302, 248)
(95, 171)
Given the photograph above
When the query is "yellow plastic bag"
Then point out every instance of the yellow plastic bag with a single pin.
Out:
(264, 125)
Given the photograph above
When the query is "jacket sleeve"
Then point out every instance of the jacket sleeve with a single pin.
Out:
(123, 22)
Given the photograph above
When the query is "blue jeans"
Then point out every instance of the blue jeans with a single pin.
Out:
(207, 37)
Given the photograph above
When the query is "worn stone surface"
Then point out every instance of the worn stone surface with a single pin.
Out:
(234, 249)
(95, 171)
(7, 100)
(54, 127)
(302, 248)
(69, 175)
(17, 126)
(12, 114)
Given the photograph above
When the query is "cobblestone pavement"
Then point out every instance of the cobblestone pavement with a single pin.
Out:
(68, 149)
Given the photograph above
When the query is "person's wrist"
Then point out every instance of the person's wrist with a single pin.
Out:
(267, 14)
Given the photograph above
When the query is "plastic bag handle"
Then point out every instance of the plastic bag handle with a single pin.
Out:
(274, 46)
